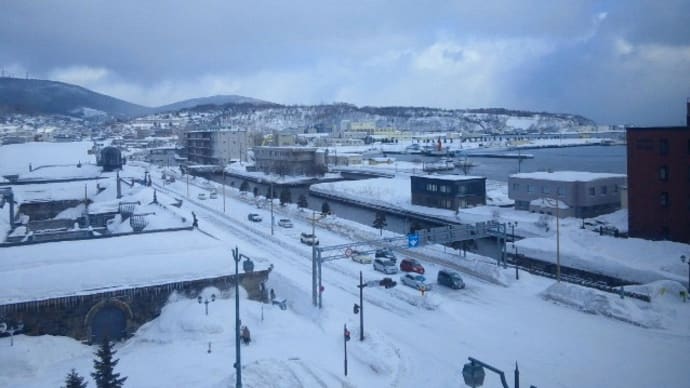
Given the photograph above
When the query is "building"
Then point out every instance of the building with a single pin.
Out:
(283, 161)
(577, 193)
(659, 182)
(110, 158)
(216, 147)
(448, 191)
(163, 156)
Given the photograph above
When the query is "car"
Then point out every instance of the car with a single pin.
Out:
(386, 253)
(385, 265)
(360, 257)
(309, 239)
(411, 265)
(213, 194)
(415, 281)
(253, 217)
(285, 223)
(450, 279)
(201, 196)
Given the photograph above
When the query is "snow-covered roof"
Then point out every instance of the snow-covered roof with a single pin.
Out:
(450, 177)
(567, 176)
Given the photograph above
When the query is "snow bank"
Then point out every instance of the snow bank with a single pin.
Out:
(600, 303)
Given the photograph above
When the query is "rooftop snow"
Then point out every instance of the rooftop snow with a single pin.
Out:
(567, 176)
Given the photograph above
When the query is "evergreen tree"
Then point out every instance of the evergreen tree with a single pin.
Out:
(73, 380)
(325, 208)
(104, 366)
(302, 202)
(380, 221)
(285, 197)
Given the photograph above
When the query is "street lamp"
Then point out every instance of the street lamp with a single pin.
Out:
(684, 259)
(223, 190)
(549, 201)
(237, 256)
(206, 301)
(11, 330)
(473, 373)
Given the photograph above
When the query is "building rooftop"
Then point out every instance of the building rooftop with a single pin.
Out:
(567, 176)
(450, 177)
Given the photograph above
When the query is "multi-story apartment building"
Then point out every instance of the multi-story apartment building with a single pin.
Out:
(308, 161)
(576, 193)
(216, 147)
(659, 182)
(448, 191)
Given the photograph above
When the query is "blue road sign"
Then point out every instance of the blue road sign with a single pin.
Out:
(412, 240)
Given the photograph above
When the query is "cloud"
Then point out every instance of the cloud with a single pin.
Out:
(79, 75)
(574, 56)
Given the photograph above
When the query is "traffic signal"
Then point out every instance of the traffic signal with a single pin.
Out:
(355, 308)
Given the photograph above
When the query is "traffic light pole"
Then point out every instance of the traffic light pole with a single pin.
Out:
(361, 308)
(346, 337)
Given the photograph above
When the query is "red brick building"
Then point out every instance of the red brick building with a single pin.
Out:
(659, 182)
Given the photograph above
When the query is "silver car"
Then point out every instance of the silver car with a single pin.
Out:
(285, 223)
(415, 281)
(385, 265)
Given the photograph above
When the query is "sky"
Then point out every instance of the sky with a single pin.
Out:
(616, 62)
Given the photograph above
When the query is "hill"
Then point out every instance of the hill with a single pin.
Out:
(217, 100)
(33, 96)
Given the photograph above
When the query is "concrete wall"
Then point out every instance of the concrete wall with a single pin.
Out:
(71, 316)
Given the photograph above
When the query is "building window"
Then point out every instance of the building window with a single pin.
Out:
(663, 146)
(663, 173)
(516, 186)
(561, 191)
(445, 189)
(431, 187)
(603, 190)
(663, 199)
(591, 191)
(615, 188)
(530, 189)
(545, 190)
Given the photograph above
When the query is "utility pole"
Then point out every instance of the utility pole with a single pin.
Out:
(238, 364)
(223, 190)
(346, 337)
(272, 208)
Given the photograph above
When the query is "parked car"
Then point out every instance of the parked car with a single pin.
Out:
(309, 239)
(285, 223)
(360, 257)
(253, 217)
(213, 195)
(411, 265)
(385, 265)
(415, 281)
(201, 196)
(450, 279)
(387, 254)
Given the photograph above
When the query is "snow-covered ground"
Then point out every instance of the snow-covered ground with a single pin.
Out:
(561, 335)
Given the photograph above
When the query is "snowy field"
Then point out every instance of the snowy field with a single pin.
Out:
(561, 335)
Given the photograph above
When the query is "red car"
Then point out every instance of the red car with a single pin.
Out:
(411, 265)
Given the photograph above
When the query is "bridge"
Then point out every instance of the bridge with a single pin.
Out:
(117, 313)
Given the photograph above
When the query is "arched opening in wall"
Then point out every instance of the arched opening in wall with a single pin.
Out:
(109, 321)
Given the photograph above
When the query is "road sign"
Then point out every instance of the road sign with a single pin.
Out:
(348, 252)
(412, 240)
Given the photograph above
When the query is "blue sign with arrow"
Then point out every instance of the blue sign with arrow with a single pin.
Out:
(412, 240)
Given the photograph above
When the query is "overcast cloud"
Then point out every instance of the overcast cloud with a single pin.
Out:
(617, 62)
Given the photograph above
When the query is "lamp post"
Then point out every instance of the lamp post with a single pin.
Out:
(223, 190)
(11, 330)
(272, 218)
(683, 259)
(558, 236)
(237, 256)
(206, 301)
